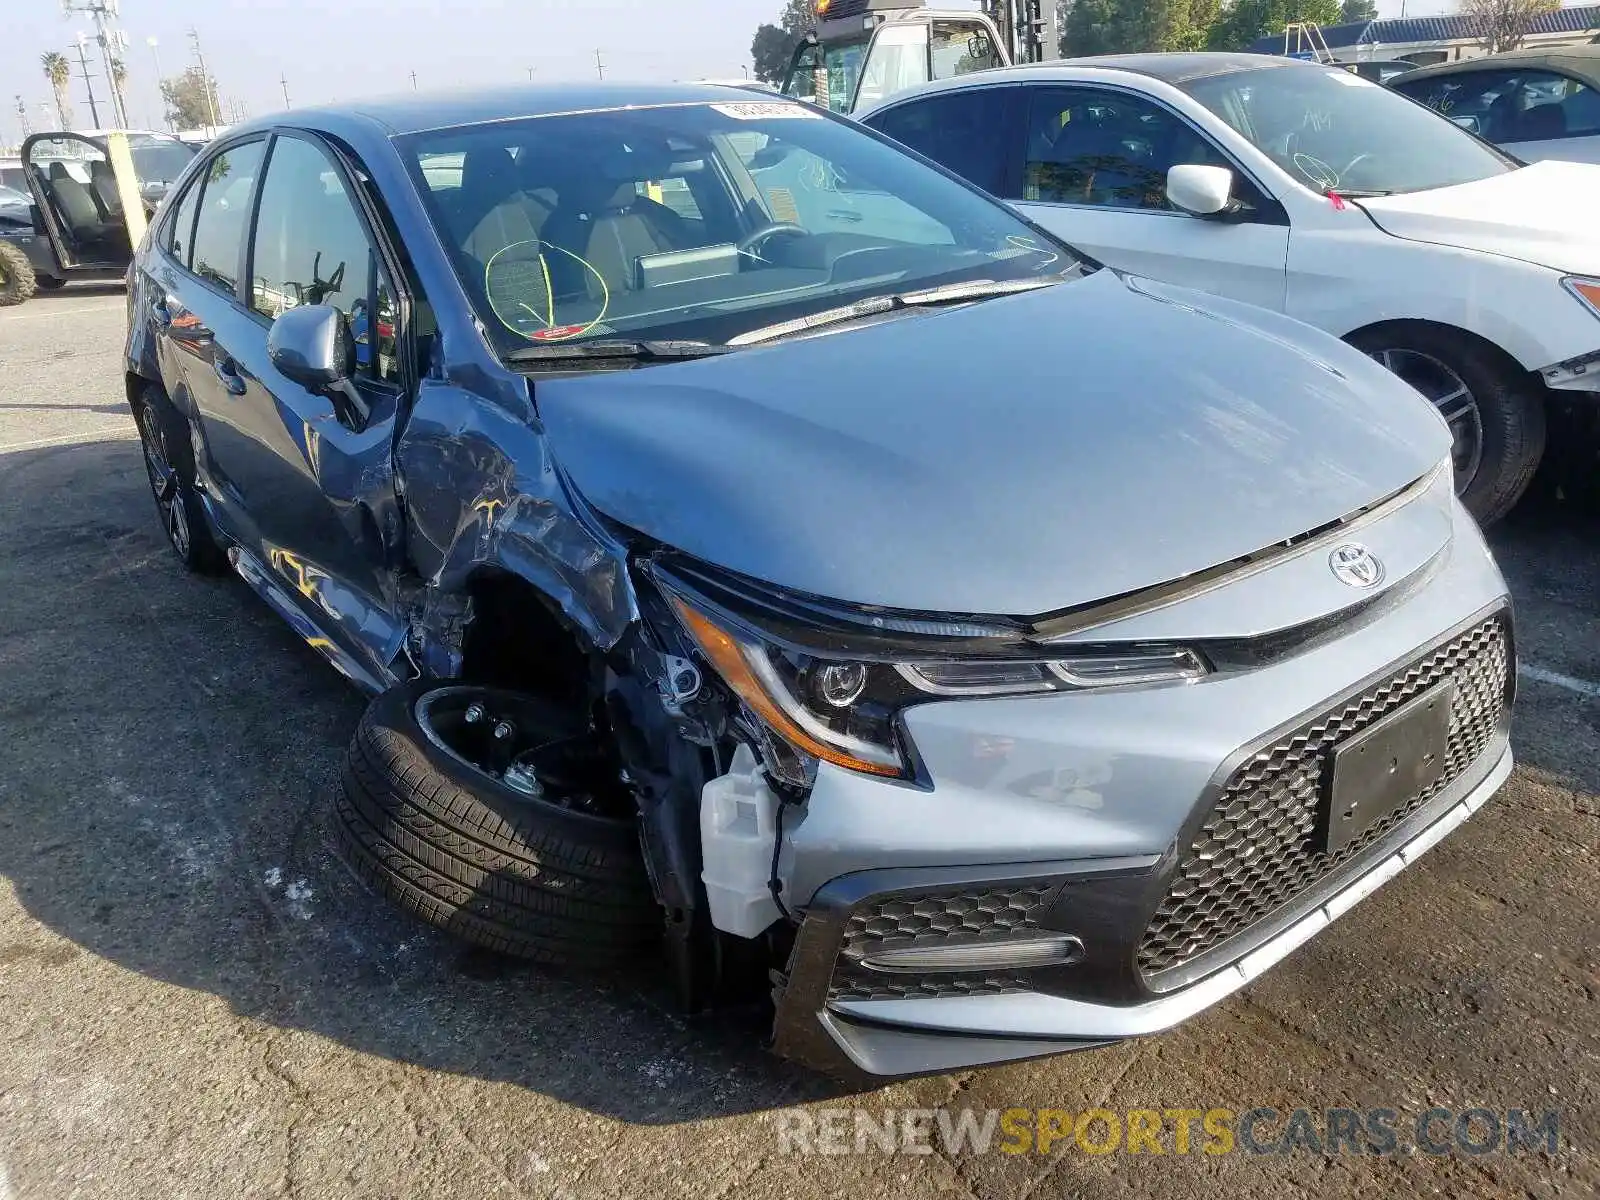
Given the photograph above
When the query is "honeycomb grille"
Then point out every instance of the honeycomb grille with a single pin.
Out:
(1257, 849)
(963, 917)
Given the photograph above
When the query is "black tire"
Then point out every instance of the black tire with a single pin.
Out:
(1508, 404)
(17, 280)
(169, 467)
(50, 283)
(459, 849)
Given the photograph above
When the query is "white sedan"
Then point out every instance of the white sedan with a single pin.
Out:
(1308, 190)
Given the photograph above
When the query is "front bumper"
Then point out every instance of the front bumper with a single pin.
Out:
(911, 1035)
(1172, 831)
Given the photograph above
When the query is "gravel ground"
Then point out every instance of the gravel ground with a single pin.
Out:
(197, 1000)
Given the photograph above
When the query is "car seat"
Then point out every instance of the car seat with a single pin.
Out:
(1542, 123)
(604, 221)
(103, 182)
(76, 206)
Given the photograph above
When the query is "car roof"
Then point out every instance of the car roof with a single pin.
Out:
(1582, 61)
(1175, 68)
(414, 112)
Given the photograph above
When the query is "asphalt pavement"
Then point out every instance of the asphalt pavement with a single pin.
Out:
(197, 1000)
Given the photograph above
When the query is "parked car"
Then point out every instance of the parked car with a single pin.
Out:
(772, 593)
(1539, 104)
(74, 226)
(1380, 70)
(1308, 190)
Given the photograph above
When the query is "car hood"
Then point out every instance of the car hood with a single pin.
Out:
(1016, 456)
(1543, 214)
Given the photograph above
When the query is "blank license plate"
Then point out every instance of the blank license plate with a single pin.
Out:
(1385, 765)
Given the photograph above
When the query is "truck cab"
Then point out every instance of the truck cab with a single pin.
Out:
(864, 51)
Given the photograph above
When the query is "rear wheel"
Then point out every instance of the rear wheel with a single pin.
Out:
(500, 819)
(17, 280)
(169, 467)
(1495, 413)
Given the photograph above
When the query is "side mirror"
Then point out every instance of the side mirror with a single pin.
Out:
(1201, 190)
(312, 346)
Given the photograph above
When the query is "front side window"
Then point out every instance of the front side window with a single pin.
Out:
(701, 221)
(311, 248)
(1511, 106)
(897, 62)
(961, 47)
(1332, 131)
(963, 131)
(1105, 148)
(226, 182)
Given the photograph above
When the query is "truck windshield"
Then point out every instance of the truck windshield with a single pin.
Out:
(827, 74)
(701, 221)
(1336, 132)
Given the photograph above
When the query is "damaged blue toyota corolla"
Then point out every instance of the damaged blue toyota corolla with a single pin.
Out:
(763, 545)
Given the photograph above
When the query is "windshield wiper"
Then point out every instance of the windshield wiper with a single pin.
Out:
(1360, 193)
(951, 293)
(613, 350)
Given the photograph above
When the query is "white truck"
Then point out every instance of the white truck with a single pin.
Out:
(864, 51)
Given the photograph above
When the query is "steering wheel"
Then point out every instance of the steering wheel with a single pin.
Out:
(747, 245)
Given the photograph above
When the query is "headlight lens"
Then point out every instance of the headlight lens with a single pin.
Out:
(1586, 290)
(846, 711)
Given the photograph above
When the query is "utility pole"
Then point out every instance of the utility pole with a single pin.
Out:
(283, 82)
(531, 70)
(113, 45)
(155, 53)
(22, 116)
(598, 64)
(83, 61)
(413, 81)
(205, 78)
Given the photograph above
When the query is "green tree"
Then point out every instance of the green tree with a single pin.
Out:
(1357, 10)
(59, 74)
(191, 99)
(1248, 20)
(773, 45)
(1127, 26)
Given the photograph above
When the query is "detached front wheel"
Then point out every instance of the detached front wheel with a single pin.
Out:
(1495, 413)
(500, 819)
(17, 280)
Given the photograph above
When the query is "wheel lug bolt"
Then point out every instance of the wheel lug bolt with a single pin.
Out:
(474, 714)
(503, 731)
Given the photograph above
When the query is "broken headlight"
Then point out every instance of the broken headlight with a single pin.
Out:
(847, 711)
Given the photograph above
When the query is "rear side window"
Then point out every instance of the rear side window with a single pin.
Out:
(180, 232)
(311, 248)
(963, 131)
(225, 213)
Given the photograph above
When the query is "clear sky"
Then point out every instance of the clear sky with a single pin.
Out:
(330, 49)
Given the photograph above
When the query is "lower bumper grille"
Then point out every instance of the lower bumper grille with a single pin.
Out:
(1257, 849)
(935, 919)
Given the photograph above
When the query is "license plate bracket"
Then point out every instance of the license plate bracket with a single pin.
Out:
(1384, 765)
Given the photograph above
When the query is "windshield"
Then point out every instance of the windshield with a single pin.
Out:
(835, 67)
(701, 221)
(1334, 131)
(159, 160)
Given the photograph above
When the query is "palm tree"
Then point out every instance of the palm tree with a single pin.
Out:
(59, 74)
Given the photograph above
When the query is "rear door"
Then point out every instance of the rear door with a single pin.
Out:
(1094, 171)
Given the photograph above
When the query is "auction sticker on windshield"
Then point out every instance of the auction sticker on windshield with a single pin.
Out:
(761, 111)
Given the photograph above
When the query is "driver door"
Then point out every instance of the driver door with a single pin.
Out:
(75, 192)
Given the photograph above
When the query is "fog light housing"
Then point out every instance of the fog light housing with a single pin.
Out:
(1016, 954)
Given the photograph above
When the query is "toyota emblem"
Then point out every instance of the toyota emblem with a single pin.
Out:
(1356, 566)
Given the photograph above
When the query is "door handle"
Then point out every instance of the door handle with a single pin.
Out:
(228, 371)
(161, 313)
